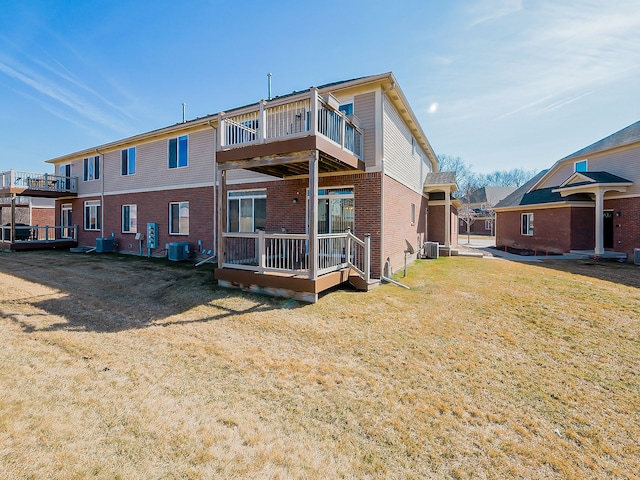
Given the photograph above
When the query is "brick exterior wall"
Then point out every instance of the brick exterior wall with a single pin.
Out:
(39, 216)
(397, 222)
(626, 225)
(43, 216)
(556, 230)
(151, 207)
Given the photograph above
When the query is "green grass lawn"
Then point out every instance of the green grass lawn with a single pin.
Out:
(116, 367)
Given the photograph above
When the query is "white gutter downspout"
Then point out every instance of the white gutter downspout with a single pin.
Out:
(383, 262)
(101, 195)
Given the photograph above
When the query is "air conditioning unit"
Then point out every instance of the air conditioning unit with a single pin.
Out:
(105, 245)
(431, 249)
(636, 256)
(178, 251)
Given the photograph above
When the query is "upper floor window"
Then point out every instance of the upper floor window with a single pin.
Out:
(92, 214)
(527, 224)
(414, 146)
(91, 168)
(347, 108)
(179, 218)
(128, 161)
(178, 152)
(129, 218)
(581, 166)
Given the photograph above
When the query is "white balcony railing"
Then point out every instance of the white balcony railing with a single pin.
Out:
(289, 253)
(280, 119)
(44, 182)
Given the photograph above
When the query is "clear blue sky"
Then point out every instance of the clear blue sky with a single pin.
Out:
(501, 83)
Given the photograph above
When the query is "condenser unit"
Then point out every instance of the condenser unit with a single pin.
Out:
(105, 245)
(431, 249)
(178, 251)
(636, 256)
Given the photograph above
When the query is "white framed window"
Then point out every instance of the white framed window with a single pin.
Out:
(487, 224)
(65, 171)
(179, 218)
(581, 166)
(413, 214)
(128, 161)
(178, 152)
(91, 169)
(246, 210)
(527, 224)
(129, 219)
(92, 214)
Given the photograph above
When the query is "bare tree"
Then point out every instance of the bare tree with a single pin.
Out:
(466, 213)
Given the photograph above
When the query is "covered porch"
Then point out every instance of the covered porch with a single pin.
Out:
(301, 136)
(597, 185)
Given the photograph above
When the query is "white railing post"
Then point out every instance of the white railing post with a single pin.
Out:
(343, 128)
(262, 123)
(75, 233)
(260, 253)
(222, 131)
(314, 111)
(367, 257)
(12, 177)
(347, 252)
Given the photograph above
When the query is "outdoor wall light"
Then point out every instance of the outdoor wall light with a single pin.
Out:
(618, 214)
(295, 200)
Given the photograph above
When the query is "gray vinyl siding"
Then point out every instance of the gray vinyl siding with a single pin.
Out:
(399, 161)
(247, 176)
(152, 168)
(623, 162)
(364, 107)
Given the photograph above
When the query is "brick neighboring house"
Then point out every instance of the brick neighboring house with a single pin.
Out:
(293, 194)
(34, 212)
(588, 201)
(481, 202)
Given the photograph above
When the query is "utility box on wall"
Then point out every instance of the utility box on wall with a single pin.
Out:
(152, 235)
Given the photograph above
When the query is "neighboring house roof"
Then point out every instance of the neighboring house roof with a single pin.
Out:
(490, 195)
(626, 136)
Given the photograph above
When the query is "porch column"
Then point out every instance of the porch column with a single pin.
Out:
(313, 214)
(599, 249)
(447, 218)
(222, 217)
(12, 233)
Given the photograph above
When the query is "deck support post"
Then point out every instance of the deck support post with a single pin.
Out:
(12, 233)
(222, 193)
(313, 214)
(447, 219)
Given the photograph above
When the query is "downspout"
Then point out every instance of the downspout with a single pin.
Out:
(101, 195)
(215, 186)
(383, 262)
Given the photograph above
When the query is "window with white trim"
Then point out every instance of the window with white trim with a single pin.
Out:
(128, 161)
(129, 219)
(179, 218)
(178, 153)
(92, 214)
(527, 224)
(335, 209)
(413, 214)
(91, 168)
(246, 210)
(581, 166)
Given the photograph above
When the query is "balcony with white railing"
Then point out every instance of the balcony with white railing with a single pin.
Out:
(28, 237)
(37, 184)
(305, 115)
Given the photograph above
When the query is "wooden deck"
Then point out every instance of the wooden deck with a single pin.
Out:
(287, 285)
(37, 245)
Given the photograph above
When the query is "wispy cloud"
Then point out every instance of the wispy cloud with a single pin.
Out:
(489, 10)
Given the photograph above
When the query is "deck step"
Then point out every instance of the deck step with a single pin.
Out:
(360, 283)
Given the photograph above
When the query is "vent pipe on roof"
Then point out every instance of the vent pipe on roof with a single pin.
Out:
(269, 86)
(184, 113)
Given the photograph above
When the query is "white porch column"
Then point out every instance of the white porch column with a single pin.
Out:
(447, 219)
(313, 214)
(599, 248)
(222, 214)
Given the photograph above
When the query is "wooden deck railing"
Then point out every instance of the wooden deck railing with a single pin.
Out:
(301, 115)
(289, 253)
(44, 182)
(38, 233)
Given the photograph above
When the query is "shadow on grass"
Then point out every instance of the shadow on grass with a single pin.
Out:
(611, 271)
(112, 293)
